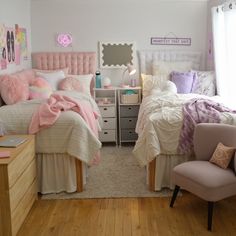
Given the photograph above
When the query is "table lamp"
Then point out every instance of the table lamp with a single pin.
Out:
(131, 70)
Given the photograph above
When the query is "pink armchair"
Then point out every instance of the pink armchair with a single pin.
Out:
(202, 178)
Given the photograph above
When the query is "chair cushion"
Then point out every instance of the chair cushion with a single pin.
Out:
(205, 179)
(222, 155)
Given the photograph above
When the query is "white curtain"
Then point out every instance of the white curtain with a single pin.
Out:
(224, 38)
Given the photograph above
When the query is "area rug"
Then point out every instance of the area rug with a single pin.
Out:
(117, 176)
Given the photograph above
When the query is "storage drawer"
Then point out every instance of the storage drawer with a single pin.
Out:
(109, 123)
(107, 111)
(16, 167)
(128, 134)
(108, 135)
(21, 186)
(129, 111)
(128, 122)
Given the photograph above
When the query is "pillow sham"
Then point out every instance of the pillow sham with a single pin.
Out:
(65, 70)
(205, 83)
(222, 155)
(39, 88)
(13, 89)
(53, 78)
(183, 81)
(164, 68)
(80, 83)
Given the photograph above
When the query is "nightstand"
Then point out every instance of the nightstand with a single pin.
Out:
(18, 186)
(106, 100)
(129, 100)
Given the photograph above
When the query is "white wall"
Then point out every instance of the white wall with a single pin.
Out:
(118, 20)
(17, 12)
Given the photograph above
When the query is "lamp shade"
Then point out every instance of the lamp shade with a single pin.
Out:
(131, 69)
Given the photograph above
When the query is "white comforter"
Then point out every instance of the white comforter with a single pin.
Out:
(159, 124)
(70, 134)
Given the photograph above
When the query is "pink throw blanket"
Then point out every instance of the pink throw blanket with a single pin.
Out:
(47, 114)
(198, 111)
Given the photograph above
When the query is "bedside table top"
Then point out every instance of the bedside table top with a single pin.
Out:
(14, 151)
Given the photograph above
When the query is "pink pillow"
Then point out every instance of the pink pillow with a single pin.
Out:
(39, 88)
(70, 83)
(14, 89)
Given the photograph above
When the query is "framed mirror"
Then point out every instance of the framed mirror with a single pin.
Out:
(116, 54)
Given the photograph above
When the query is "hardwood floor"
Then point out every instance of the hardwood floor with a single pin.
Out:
(130, 216)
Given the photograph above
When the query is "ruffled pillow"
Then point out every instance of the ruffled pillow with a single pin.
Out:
(39, 88)
(71, 84)
(79, 83)
(14, 89)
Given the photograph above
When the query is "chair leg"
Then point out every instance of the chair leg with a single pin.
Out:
(174, 195)
(210, 214)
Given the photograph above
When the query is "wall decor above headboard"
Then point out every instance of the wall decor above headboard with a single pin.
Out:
(116, 54)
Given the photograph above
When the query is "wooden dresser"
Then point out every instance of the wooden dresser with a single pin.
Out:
(18, 187)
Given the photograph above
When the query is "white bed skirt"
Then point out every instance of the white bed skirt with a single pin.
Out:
(164, 166)
(57, 173)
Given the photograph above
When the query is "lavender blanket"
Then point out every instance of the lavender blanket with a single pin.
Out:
(198, 111)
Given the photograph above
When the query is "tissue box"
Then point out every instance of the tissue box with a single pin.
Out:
(129, 98)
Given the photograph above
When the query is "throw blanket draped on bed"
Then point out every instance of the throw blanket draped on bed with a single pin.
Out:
(198, 111)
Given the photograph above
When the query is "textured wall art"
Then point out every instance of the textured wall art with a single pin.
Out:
(3, 56)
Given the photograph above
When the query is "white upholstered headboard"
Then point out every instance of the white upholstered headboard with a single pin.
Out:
(146, 57)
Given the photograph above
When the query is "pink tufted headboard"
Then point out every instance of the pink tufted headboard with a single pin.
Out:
(79, 63)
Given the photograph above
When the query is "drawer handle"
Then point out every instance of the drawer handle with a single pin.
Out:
(130, 108)
(130, 120)
(130, 132)
(104, 108)
(105, 133)
(105, 121)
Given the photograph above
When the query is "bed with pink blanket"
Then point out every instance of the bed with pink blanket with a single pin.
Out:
(65, 124)
(167, 118)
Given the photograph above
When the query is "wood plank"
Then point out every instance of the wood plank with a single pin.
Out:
(79, 174)
(151, 177)
(132, 216)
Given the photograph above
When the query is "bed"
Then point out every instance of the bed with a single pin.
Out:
(161, 115)
(64, 150)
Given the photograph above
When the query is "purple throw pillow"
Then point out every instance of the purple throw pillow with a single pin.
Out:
(183, 80)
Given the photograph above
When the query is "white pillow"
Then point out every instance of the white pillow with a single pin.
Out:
(164, 68)
(53, 78)
(205, 83)
(150, 82)
(85, 81)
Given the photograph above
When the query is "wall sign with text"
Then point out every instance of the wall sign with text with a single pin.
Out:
(171, 41)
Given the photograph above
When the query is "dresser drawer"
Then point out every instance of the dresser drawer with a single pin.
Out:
(128, 134)
(107, 135)
(17, 166)
(23, 208)
(128, 122)
(109, 123)
(108, 111)
(129, 111)
(22, 184)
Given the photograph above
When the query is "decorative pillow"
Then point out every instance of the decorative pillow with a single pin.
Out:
(164, 68)
(39, 88)
(222, 155)
(205, 83)
(13, 89)
(53, 78)
(150, 82)
(183, 81)
(80, 83)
